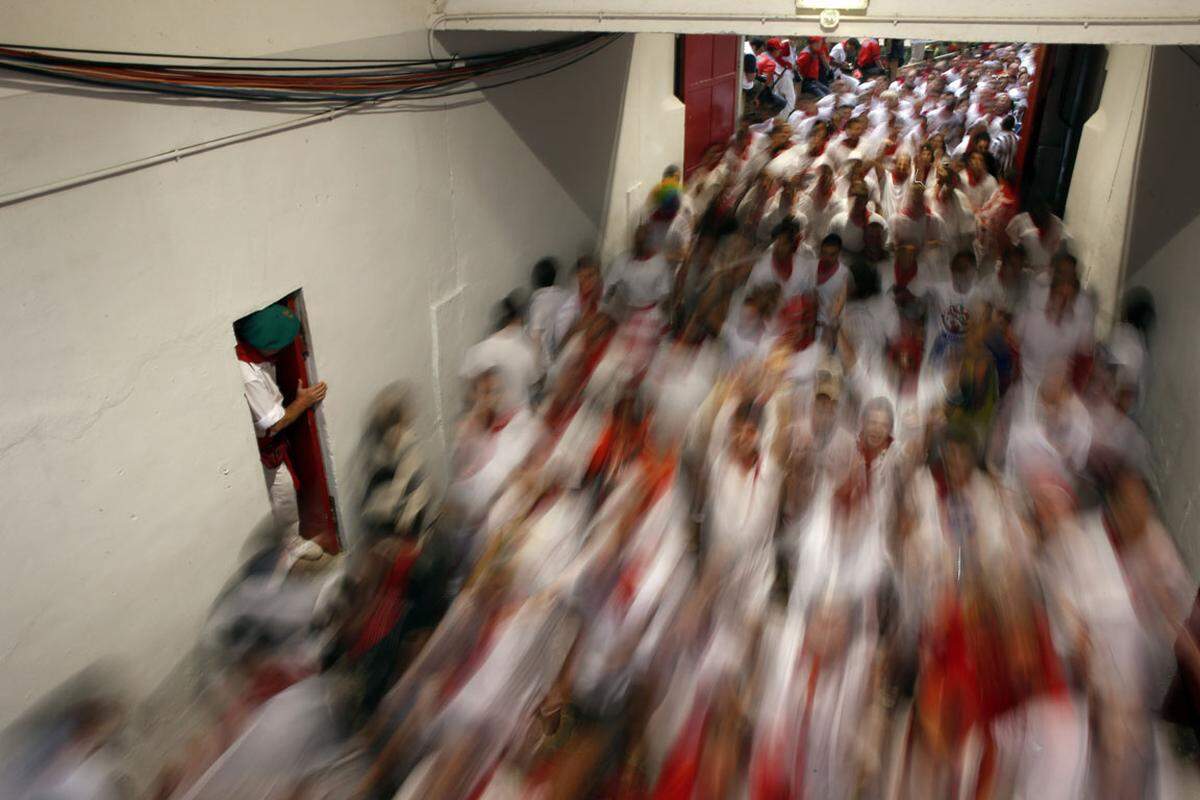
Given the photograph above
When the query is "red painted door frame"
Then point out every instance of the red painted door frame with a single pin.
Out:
(1031, 123)
(709, 90)
(318, 519)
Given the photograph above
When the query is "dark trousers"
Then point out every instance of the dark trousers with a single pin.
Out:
(814, 87)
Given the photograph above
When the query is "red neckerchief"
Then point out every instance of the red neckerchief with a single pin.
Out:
(681, 770)
(898, 176)
(869, 457)
(904, 275)
(816, 152)
(908, 212)
(250, 355)
(805, 343)
(501, 422)
(825, 270)
(588, 303)
(388, 603)
(859, 218)
(972, 180)
(782, 268)
(849, 143)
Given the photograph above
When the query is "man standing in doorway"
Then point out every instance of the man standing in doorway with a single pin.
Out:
(260, 337)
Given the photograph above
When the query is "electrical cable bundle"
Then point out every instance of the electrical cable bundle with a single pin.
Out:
(300, 80)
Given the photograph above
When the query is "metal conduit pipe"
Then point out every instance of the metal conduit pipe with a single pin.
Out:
(440, 20)
(178, 153)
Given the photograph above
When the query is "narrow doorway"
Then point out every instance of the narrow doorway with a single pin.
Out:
(291, 439)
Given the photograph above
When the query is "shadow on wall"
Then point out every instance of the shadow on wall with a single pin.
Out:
(569, 119)
(1165, 199)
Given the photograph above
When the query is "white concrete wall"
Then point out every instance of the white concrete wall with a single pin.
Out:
(651, 137)
(1098, 21)
(1099, 203)
(131, 475)
(1165, 242)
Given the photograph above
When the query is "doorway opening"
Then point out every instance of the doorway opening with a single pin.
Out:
(292, 440)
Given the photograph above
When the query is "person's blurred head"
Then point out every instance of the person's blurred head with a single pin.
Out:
(873, 241)
(510, 310)
(962, 270)
(587, 277)
(1039, 211)
(1129, 504)
(1137, 310)
(785, 238)
(841, 115)
(824, 177)
(545, 273)
(831, 247)
(877, 422)
(744, 432)
(859, 196)
(915, 200)
(855, 127)
(765, 297)
(487, 392)
(269, 330)
(864, 281)
(902, 166)
(781, 135)
(1012, 263)
(977, 163)
(959, 455)
(818, 135)
(825, 403)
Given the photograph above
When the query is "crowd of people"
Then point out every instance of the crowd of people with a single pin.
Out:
(827, 488)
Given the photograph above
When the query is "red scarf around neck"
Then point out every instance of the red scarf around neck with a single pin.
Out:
(903, 274)
(782, 268)
(250, 354)
(826, 269)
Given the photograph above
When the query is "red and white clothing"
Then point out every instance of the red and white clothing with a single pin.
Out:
(977, 190)
(1040, 245)
(794, 274)
(852, 232)
(510, 352)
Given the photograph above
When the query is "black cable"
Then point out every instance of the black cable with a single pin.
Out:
(530, 49)
(317, 96)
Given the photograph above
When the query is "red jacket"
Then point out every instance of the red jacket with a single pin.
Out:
(808, 64)
(868, 54)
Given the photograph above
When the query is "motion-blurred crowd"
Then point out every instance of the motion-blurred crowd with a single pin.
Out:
(827, 488)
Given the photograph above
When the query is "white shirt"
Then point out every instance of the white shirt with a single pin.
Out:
(800, 281)
(981, 192)
(1039, 250)
(511, 353)
(543, 312)
(644, 283)
(1044, 342)
(262, 395)
(852, 235)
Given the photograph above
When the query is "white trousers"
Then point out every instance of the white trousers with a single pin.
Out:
(281, 489)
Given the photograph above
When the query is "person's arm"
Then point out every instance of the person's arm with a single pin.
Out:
(306, 398)
(788, 93)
